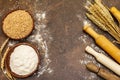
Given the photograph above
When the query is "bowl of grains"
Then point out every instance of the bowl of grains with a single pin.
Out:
(18, 24)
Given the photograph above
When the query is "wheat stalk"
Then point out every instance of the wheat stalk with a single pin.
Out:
(101, 16)
(3, 68)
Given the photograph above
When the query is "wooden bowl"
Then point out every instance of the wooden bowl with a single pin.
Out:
(7, 60)
(18, 24)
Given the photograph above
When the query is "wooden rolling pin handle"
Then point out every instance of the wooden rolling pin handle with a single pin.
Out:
(90, 31)
(91, 51)
(116, 13)
(92, 67)
(104, 60)
(101, 72)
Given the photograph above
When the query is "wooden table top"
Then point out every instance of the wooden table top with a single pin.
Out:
(66, 40)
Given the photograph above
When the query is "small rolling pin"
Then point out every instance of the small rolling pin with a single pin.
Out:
(104, 43)
(101, 72)
(109, 63)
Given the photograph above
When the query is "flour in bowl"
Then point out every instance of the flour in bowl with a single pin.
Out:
(23, 60)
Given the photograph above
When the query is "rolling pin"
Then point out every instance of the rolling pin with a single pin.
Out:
(116, 13)
(109, 63)
(104, 43)
(101, 72)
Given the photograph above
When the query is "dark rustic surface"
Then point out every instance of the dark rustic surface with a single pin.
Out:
(65, 22)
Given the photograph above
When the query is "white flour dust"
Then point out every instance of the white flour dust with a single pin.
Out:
(96, 48)
(83, 38)
(87, 57)
(86, 22)
(40, 16)
(88, 2)
(40, 34)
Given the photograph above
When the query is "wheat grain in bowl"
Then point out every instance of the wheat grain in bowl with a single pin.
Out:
(18, 24)
(22, 60)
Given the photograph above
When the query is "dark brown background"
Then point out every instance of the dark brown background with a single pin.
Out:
(65, 22)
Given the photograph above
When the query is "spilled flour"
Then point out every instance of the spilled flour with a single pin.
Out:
(83, 38)
(86, 41)
(38, 37)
